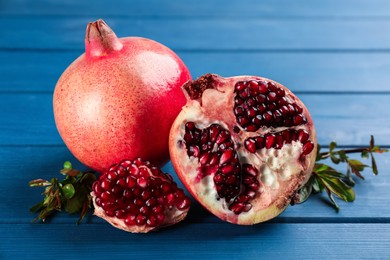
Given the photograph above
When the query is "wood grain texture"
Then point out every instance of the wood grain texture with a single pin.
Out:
(26, 163)
(222, 241)
(347, 118)
(334, 54)
(214, 8)
(301, 72)
(205, 34)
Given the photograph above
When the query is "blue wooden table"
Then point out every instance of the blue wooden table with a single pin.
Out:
(334, 54)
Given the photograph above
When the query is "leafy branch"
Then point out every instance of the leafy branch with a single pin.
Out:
(71, 194)
(335, 183)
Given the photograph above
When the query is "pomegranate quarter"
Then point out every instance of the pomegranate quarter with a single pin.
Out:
(243, 146)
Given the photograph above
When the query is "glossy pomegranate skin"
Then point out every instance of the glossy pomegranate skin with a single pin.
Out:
(118, 100)
(242, 172)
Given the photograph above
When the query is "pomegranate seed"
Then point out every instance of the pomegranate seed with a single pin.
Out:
(253, 86)
(298, 108)
(243, 121)
(247, 207)
(187, 138)
(259, 142)
(260, 98)
(263, 87)
(204, 158)
(250, 145)
(236, 208)
(240, 86)
(184, 204)
(272, 106)
(238, 101)
(121, 182)
(252, 128)
(269, 141)
(110, 213)
(226, 157)
(140, 220)
(160, 218)
(281, 93)
(190, 126)
(144, 210)
(131, 181)
(303, 136)
(218, 178)
(116, 190)
(227, 168)
(267, 116)
(97, 188)
(152, 221)
(239, 111)
(271, 97)
(250, 170)
(214, 131)
(120, 213)
(307, 148)
(214, 160)
(127, 194)
(272, 87)
(193, 151)
(134, 170)
(151, 202)
(111, 175)
(257, 120)
(278, 141)
(222, 137)
(105, 184)
(158, 209)
(105, 195)
(298, 120)
(142, 182)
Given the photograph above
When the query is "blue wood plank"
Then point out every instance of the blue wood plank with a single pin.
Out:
(19, 165)
(201, 241)
(27, 118)
(214, 8)
(301, 72)
(223, 34)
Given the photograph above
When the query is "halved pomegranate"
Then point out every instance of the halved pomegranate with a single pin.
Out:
(243, 146)
(138, 197)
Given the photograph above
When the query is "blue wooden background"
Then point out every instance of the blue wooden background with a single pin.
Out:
(334, 54)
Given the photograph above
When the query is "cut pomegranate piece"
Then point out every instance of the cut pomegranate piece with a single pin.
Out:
(242, 146)
(138, 197)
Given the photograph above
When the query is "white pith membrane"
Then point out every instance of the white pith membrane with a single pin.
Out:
(172, 214)
(281, 172)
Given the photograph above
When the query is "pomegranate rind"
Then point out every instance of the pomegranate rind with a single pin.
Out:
(215, 105)
(119, 99)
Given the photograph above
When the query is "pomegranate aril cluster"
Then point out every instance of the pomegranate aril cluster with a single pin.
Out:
(263, 104)
(277, 140)
(138, 193)
(214, 149)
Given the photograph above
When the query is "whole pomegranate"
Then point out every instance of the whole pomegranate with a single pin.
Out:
(118, 100)
(243, 146)
(138, 197)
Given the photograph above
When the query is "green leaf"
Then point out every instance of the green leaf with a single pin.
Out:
(372, 142)
(68, 191)
(357, 165)
(334, 159)
(332, 200)
(319, 155)
(339, 188)
(37, 207)
(332, 146)
(304, 193)
(365, 154)
(373, 164)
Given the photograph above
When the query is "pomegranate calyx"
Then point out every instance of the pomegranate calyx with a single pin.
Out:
(100, 39)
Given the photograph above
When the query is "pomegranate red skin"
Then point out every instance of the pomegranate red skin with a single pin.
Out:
(118, 100)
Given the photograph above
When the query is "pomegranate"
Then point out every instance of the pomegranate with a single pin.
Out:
(119, 99)
(138, 197)
(243, 146)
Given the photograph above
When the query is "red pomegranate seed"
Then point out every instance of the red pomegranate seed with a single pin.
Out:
(263, 89)
(226, 157)
(241, 85)
(272, 97)
(307, 148)
(250, 145)
(269, 141)
(105, 184)
(303, 136)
